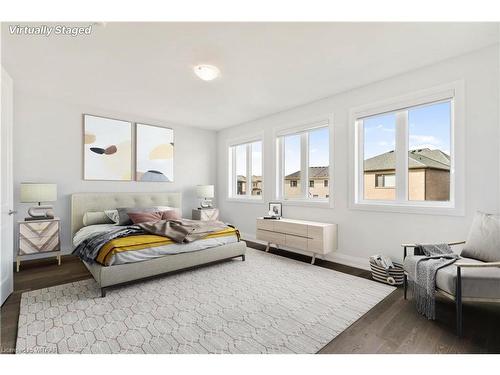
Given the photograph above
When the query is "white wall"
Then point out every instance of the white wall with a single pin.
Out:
(363, 233)
(48, 148)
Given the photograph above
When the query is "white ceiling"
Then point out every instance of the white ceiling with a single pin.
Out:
(146, 68)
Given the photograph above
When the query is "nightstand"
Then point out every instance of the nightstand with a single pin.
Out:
(39, 236)
(205, 214)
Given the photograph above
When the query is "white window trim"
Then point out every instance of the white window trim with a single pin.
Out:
(304, 126)
(456, 205)
(231, 170)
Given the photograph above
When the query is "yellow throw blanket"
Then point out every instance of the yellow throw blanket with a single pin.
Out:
(146, 241)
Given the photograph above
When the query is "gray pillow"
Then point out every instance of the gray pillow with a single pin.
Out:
(483, 242)
(113, 215)
(124, 219)
(93, 218)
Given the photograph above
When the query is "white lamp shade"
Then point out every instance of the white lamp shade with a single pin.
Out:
(205, 191)
(31, 192)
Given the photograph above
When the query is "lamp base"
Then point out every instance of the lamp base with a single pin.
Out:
(29, 218)
(206, 203)
(40, 213)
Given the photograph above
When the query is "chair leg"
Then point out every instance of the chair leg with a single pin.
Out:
(103, 292)
(405, 285)
(243, 257)
(458, 302)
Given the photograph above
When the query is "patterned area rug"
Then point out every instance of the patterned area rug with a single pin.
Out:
(267, 304)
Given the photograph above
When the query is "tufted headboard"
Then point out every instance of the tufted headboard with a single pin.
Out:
(83, 202)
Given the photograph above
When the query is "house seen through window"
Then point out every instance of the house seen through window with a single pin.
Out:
(427, 132)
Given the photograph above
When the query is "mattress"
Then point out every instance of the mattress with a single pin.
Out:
(139, 248)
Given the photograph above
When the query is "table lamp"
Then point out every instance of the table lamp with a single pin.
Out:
(38, 193)
(205, 192)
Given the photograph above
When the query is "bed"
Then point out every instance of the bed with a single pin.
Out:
(120, 274)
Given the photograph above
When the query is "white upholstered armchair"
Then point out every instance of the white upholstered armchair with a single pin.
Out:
(475, 277)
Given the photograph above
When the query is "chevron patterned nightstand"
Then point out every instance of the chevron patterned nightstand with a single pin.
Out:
(39, 236)
(205, 214)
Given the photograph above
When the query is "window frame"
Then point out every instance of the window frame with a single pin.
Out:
(319, 122)
(455, 206)
(231, 170)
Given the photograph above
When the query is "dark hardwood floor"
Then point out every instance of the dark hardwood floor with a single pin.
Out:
(393, 326)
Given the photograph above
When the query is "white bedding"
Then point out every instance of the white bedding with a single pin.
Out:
(91, 230)
(152, 252)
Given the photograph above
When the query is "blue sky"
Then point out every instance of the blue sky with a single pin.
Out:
(429, 127)
(241, 156)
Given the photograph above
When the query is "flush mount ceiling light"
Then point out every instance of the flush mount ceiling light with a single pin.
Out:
(206, 72)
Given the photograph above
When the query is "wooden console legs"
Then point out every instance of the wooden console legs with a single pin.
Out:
(313, 258)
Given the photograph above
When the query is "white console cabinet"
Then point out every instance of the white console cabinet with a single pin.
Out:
(311, 236)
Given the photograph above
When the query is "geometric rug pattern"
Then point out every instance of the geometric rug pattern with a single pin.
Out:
(267, 304)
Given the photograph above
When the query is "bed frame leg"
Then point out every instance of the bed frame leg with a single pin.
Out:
(243, 258)
(103, 292)
(405, 285)
(458, 302)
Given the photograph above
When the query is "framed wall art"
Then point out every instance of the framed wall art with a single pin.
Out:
(154, 153)
(107, 149)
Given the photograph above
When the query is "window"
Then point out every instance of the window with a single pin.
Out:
(319, 160)
(405, 155)
(379, 134)
(245, 170)
(385, 180)
(241, 169)
(256, 167)
(305, 158)
(292, 150)
(429, 132)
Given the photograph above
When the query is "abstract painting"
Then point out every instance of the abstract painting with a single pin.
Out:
(107, 149)
(154, 153)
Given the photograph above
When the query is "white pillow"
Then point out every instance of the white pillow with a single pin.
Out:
(483, 242)
(93, 218)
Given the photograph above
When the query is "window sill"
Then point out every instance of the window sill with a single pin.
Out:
(438, 209)
(245, 200)
(307, 203)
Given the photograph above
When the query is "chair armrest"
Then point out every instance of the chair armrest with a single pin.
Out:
(405, 246)
(449, 243)
(477, 265)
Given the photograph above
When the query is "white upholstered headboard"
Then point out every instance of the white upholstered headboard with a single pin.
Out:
(83, 202)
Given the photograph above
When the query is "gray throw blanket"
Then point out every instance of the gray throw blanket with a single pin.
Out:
(422, 275)
(89, 249)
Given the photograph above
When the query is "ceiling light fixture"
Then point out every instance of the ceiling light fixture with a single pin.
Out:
(206, 72)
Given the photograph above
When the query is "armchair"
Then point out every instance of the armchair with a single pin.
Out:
(466, 280)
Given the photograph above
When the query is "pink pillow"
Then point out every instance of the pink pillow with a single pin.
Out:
(170, 215)
(144, 217)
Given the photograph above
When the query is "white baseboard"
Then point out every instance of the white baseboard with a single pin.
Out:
(347, 260)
